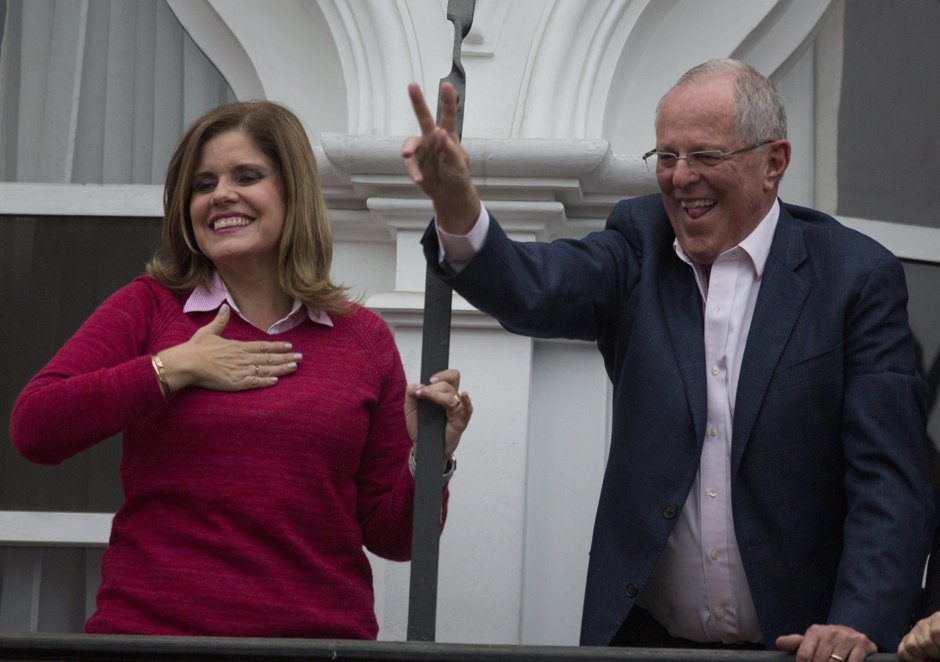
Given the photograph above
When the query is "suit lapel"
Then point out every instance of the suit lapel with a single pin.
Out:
(783, 292)
(681, 303)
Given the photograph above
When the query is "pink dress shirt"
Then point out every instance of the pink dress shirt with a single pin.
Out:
(698, 589)
(205, 299)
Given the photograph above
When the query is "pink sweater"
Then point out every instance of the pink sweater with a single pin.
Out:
(244, 514)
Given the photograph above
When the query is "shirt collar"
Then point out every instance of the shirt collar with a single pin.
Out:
(207, 299)
(756, 245)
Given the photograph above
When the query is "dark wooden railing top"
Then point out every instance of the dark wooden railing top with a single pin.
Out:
(79, 647)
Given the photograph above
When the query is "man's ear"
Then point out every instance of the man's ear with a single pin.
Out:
(778, 158)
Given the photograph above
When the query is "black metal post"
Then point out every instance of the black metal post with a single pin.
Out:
(435, 349)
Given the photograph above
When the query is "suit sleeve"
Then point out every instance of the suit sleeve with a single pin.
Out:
(889, 495)
(560, 289)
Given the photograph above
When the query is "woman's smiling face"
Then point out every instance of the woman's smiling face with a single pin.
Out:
(237, 204)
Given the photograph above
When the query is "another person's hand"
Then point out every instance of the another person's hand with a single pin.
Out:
(828, 643)
(437, 163)
(210, 361)
(444, 390)
(923, 641)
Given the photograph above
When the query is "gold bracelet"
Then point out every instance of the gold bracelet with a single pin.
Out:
(161, 375)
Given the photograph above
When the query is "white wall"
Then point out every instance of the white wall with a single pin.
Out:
(557, 113)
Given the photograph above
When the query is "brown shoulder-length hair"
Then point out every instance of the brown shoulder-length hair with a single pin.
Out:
(306, 247)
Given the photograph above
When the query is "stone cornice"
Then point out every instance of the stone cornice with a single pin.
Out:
(547, 187)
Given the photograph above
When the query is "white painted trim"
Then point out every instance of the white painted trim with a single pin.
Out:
(48, 529)
(127, 200)
(908, 242)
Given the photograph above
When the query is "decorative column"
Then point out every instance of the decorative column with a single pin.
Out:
(529, 471)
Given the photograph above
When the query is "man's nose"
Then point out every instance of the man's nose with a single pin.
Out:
(684, 171)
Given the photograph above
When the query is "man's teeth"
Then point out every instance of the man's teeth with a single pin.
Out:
(231, 222)
(689, 204)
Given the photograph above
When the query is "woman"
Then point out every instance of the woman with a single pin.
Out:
(264, 440)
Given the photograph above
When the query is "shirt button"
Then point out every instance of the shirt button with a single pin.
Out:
(632, 590)
(713, 431)
(669, 511)
(712, 493)
(715, 370)
(713, 555)
(721, 614)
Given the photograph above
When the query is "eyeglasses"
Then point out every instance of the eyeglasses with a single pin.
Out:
(697, 161)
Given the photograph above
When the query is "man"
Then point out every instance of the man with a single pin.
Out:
(767, 478)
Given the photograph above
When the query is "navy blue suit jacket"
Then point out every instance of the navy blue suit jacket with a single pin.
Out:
(831, 496)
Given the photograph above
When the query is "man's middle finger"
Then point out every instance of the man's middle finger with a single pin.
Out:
(449, 102)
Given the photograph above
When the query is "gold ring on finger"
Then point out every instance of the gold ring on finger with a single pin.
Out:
(838, 658)
(457, 400)
(257, 371)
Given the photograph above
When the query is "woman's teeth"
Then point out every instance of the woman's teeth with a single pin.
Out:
(231, 222)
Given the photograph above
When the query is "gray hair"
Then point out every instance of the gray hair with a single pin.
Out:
(761, 115)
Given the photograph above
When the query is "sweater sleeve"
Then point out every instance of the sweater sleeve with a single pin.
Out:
(385, 484)
(95, 385)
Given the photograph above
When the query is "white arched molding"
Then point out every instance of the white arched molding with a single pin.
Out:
(210, 32)
(570, 65)
(598, 69)
(342, 66)
(382, 47)
(742, 30)
(288, 55)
